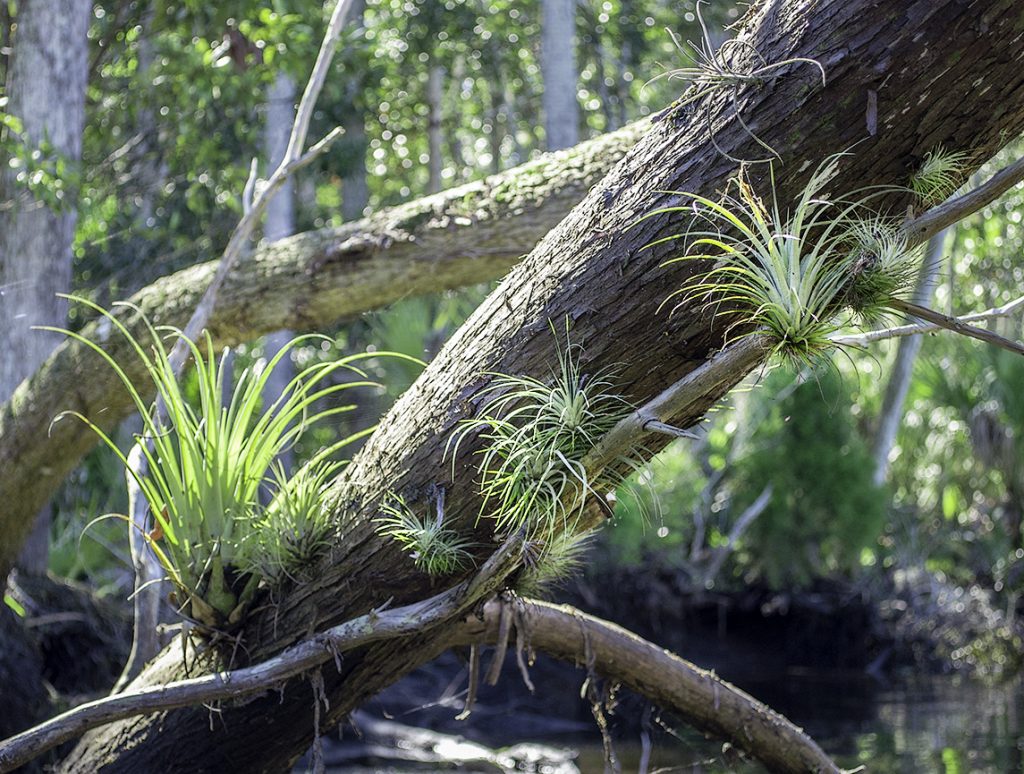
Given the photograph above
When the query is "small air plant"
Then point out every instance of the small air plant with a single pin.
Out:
(881, 267)
(206, 463)
(790, 274)
(714, 72)
(436, 549)
(552, 561)
(535, 437)
(293, 528)
(941, 173)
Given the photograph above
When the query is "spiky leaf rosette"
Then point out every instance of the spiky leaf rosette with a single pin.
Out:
(552, 562)
(535, 436)
(294, 527)
(881, 267)
(436, 549)
(940, 174)
(787, 273)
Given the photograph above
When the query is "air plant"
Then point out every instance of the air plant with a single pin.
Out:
(790, 274)
(881, 266)
(941, 173)
(552, 561)
(535, 437)
(713, 72)
(206, 462)
(436, 549)
(294, 527)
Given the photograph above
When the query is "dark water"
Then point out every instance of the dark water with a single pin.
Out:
(950, 725)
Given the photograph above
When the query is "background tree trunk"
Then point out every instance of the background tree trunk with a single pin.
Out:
(46, 91)
(903, 368)
(558, 67)
(596, 269)
(279, 224)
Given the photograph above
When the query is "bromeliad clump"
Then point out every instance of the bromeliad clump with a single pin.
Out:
(789, 273)
(206, 463)
(535, 436)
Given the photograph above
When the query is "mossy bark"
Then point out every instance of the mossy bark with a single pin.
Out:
(596, 270)
(470, 234)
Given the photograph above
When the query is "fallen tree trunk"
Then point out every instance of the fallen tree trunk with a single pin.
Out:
(470, 234)
(903, 77)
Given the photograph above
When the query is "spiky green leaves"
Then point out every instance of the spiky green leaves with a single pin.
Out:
(436, 549)
(294, 527)
(941, 173)
(789, 274)
(552, 562)
(206, 463)
(535, 436)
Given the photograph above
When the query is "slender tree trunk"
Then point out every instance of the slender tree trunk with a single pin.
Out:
(599, 270)
(355, 192)
(558, 66)
(279, 224)
(903, 369)
(46, 91)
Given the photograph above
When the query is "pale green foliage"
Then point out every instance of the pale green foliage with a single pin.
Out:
(535, 436)
(294, 527)
(436, 549)
(881, 266)
(789, 273)
(207, 462)
(552, 561)
(941, 173)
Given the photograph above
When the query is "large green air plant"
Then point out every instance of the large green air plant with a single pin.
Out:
(206, 463)
(735, 65)
(535, 436)
(436, 549)
(789, 273)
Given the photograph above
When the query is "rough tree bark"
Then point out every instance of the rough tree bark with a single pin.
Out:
(466, 235)
(939, 71)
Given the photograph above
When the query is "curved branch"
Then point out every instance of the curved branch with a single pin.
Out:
(375, 626)
(861, 339)
(697, 696)
(930, 223)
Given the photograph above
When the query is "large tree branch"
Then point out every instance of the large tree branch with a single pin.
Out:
(299, 659)
(598, 270)
(698, 697)
(467, 235)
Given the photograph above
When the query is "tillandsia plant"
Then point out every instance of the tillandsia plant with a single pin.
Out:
(294, 526)
(552, 561)
(436, 549)
(713, 72)
(939, 175)
(206, 463)
(535, 437)
(790, 273)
